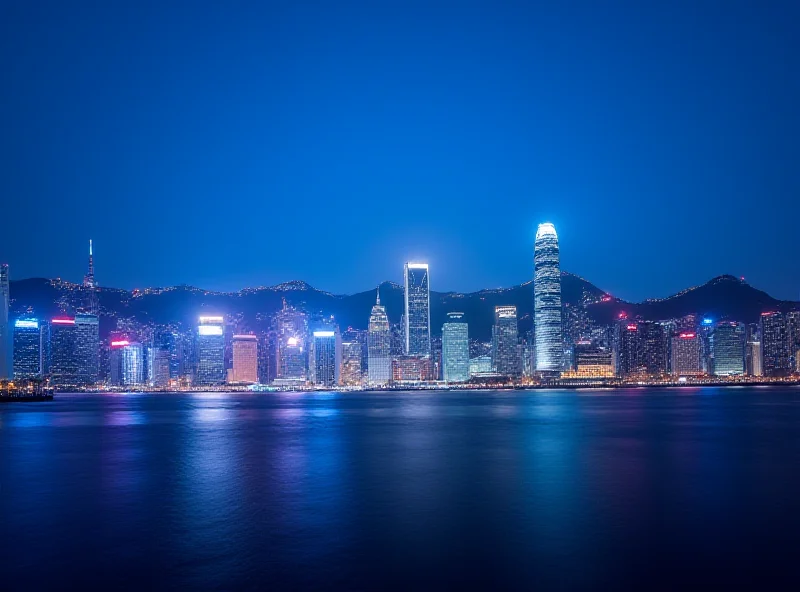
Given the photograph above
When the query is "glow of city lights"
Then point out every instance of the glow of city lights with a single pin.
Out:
(63, 321)
(324, 333)
(27, 324)
(631, 327)
(418, 266)
(687, 335)
(121, 343)
(708, 321)
(292, 341)
(214, 319)
(209, 330)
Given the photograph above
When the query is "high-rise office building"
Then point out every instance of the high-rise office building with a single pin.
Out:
(351, 363)
(158, 367)
(27, 349)
(5, 338)
(480, 365)
(326, 357)
(379, 346)
(133, 370)
(728, 345)
(90, 285)
(629, 350)
(653, 343)
(245, 359)
(210, 351)
(417, 312)
(752, 352)
(455, 348)
(685, 354)
(74, 350)
(793, 337)
(547, 300)
(505, 342)
(774, 344)
(291, 327)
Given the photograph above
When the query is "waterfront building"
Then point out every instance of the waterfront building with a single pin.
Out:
(505, 342)
(158, 367)
(379, 346)
(27, 349)
(417, 311)
(728, 344)
(685, 354)
(351, 373)
(753, 352)
(547, 300)
(326, 357)
(5, 338)
(412, 369)
(245, 359)
(455, 348)
(133, 366)
(480, 365)
(593, 361)
(90, 285)
(74, 350)
(210, 351)
(291, 327)
(793, 337)
(774, 344)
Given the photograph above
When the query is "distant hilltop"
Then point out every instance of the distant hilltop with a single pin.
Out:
(722, 297)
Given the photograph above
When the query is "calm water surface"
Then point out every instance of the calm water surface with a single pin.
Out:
(548, 489)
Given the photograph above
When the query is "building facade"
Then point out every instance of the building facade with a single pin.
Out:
(5, 338)
(245, 359)
(455, 348)
(548, 330)
(685, 354)
(774, 344)
(27, 349)
(379, 346)
(728, 346)
(417, 311)
(210, 351)
(326, 357)
(505, 342)
(350, 373)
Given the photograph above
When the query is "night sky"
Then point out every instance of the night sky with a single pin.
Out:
(228, 144)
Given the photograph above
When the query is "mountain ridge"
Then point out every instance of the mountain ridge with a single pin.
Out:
(721, 297)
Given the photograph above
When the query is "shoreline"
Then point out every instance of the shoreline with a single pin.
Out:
(441, 388)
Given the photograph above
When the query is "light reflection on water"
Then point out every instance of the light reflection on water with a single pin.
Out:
(321, 490)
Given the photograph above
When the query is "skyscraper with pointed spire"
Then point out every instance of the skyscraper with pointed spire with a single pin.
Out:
(379, 345)
(88, 279)
(90, 284)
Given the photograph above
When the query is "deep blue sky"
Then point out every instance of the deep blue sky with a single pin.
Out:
(227, 144)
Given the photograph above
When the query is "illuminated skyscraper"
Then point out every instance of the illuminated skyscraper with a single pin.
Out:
(27, 349)
(547, 300)
(326, 357)
(291, 327)
(89, 284)
(379, 346)
(133, 365)
(505, 342)
(210, 351)
(158, 367)
(5, 338)
(774, 344)
(455, 348)
(685, 354)
(752, 352)
(417, 312)
(727, 343)
(74, 350)
(351, 363)
(245, 358)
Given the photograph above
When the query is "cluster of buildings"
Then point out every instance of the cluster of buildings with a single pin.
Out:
(302, 350)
